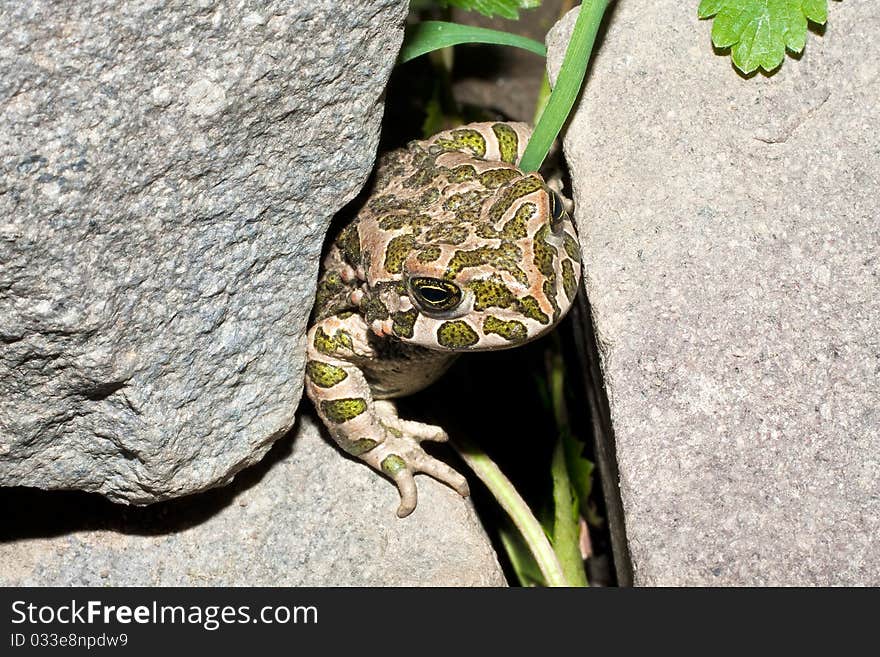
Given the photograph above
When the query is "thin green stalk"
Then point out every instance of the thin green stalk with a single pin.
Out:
(566, 527)
(568, 84)
(556, 374)
(543, 97)
(519, 512)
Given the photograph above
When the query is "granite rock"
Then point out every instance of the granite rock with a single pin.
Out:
(283, 522)
(167, 174)
(729, 228)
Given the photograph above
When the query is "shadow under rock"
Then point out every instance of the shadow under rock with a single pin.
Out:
(34, 513)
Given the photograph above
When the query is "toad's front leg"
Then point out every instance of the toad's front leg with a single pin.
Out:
(363, 427)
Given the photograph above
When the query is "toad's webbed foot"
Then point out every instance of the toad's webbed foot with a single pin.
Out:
(401, 455)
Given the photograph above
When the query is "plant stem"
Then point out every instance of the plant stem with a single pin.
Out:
(568, 84)
(543, 97)
(556, 379)
(519, 512)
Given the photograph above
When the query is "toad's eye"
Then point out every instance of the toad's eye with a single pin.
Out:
(433, 294)
(557, 210)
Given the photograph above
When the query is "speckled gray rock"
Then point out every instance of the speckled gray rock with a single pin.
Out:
(730, 230)
(167, 174)
(277, 524)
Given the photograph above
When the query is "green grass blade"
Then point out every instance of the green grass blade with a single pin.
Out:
(426, 36)
(521, 560)
(512, 502)
(580, 472)
(568, 84)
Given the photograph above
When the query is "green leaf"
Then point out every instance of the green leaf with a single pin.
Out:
(758, 32)
(426, 36)
(580, 470)
(566, 526)
(816, 10)
(504, 8)
(521, 558)
(709, 8)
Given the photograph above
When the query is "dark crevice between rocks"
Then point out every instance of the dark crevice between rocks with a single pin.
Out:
(34, 513)
(604, 449)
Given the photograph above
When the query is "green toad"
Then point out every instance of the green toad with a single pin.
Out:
(456, 250)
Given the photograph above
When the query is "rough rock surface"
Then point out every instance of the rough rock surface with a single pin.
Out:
(167, 174)
(729, 228)
(278, 524)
